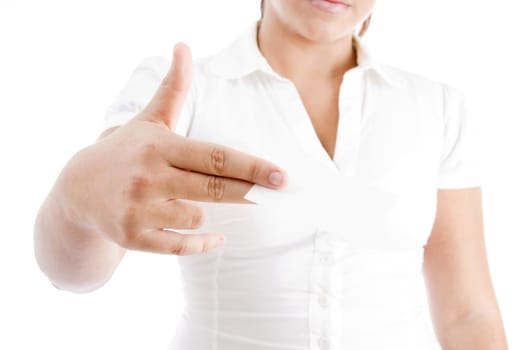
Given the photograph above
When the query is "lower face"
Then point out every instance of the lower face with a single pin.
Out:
(321, 20)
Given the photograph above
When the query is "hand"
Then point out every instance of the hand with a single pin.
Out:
(129, 185)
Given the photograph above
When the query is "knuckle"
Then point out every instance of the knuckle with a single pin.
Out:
(148, 150)
(255, 171)
(183, 248)
(137, 186)
(215, 187)
(218, 159)
(165, 83)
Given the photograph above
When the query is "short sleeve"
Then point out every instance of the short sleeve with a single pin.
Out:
(460, 162)
(139, 90)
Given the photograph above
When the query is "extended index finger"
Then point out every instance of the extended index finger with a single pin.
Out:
(215, 159)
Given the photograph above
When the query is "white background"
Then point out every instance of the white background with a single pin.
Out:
(62, 62)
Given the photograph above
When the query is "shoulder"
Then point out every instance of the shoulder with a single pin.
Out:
(416, 86)
(150, 72)
(156, 66)
(418, 82)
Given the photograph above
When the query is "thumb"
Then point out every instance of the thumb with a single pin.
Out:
(167, 102)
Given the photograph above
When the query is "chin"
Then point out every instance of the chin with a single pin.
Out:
(323, 31)
(313, 24)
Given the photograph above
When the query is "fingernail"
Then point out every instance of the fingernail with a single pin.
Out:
(276, 178)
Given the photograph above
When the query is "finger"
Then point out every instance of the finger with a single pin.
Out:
(173, 214)
(215, 159)
(167, 102)
(185, 184)
(171, 242)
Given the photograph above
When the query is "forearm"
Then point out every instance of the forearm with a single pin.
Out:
(474, 333)
(72, 256)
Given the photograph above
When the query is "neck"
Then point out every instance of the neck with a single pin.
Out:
(294, 56)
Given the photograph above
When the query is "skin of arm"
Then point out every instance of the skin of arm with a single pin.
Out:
(462, 301)
(72, 257)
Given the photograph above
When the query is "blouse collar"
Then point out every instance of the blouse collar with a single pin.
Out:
(242, 57)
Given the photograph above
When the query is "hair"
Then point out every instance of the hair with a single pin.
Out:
(363, 29)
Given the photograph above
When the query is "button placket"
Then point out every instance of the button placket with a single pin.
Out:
(324, 343)
(323, 300)
(325, 277)
(326, 259)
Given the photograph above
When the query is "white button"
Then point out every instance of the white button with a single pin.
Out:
(323, 343)
(326, 258)
(323, 300)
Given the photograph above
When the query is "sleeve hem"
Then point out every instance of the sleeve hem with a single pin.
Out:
(457, 181)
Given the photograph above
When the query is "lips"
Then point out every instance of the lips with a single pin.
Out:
(330, 6)
(338, 2)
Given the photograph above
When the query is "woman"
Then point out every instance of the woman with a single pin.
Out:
(381, 184)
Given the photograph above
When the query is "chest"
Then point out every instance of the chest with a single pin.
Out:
(320, 102)
(386, 139)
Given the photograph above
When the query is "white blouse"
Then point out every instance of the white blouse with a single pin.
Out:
(333, 261)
